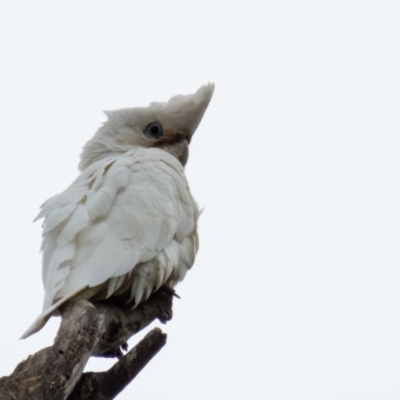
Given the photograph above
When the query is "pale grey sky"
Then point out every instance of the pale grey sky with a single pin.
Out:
(295, 293)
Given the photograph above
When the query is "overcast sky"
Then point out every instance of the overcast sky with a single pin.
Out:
(295, 293)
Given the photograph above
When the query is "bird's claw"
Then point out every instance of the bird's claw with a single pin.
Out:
(164, 316)
(118, 353)
(170, 291)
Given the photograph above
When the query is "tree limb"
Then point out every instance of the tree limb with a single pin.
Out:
(86, 329)
(107, 385)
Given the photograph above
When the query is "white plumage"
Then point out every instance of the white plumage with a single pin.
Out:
(128, 224)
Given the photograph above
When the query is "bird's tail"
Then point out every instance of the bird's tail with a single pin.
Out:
(41, 320)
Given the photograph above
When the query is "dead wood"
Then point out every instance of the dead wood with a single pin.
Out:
(87, 329)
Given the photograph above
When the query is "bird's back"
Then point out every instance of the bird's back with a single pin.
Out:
(127, 224)
(125, 227)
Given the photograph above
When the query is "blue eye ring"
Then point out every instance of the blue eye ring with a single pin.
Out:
(154, 130)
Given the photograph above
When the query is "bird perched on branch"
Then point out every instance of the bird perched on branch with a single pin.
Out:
(128, 224)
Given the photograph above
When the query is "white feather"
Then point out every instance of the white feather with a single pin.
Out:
(128, 222)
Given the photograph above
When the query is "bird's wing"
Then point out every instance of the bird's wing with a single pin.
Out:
(120, 212)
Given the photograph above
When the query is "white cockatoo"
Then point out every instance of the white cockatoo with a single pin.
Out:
(128, 224)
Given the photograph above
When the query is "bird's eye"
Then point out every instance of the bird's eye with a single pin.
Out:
(153, 130)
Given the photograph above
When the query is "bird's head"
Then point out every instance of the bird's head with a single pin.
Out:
(168, 125)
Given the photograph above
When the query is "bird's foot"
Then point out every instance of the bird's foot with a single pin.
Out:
(165, 296)
(164, 315)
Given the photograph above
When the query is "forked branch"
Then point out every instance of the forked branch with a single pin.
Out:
(86, 330)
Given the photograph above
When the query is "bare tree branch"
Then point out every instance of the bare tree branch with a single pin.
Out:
(106, 385)
(87, 329)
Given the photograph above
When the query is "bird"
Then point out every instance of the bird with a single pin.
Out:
(128, 224)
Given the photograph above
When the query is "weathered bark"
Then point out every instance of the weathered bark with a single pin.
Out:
(106, 385)
(56, 372)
